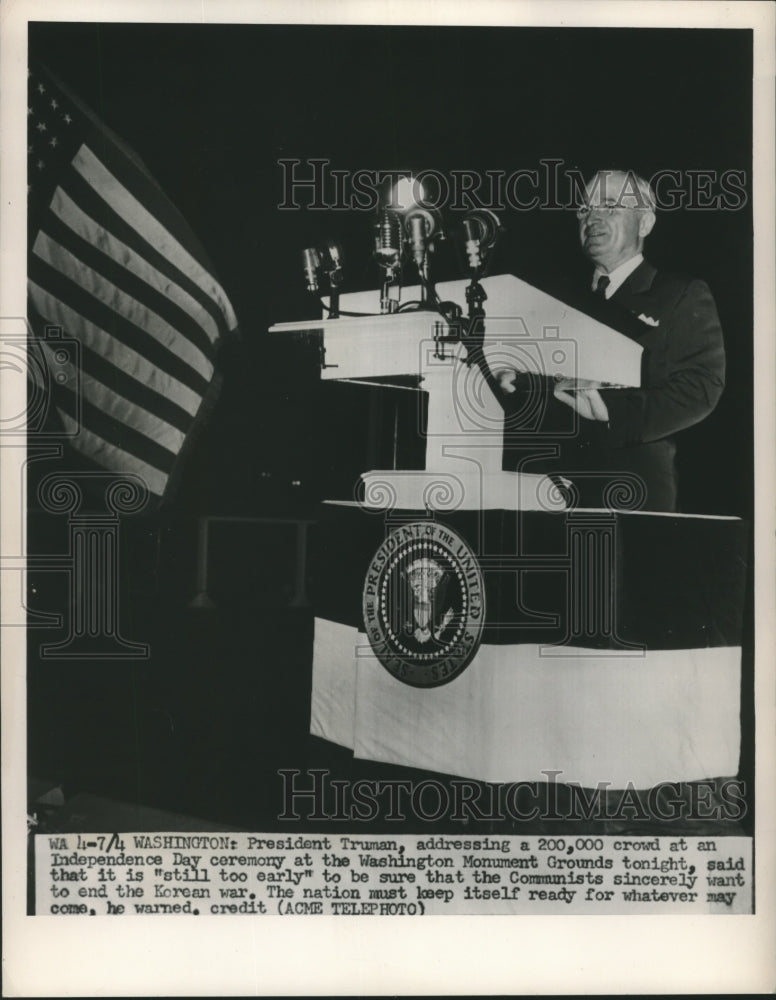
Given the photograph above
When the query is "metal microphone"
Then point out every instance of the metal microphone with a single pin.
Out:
(421, 226)
(472, 233)
(332, 266)
(312, 261)
(334, 257)
(333, 263)
(388, 238)
(480, 228)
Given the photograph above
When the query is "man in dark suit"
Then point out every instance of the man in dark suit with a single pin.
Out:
(675, 320)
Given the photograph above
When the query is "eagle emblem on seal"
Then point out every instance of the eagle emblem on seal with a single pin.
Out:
(427, 582)
(424, 604)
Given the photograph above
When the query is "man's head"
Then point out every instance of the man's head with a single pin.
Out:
(617, 214)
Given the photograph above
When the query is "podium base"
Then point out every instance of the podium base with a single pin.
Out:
(587, 717)
(623, 670)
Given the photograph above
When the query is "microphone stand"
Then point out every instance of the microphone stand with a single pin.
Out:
(335, 280)
(388, 303)
(474, 338)
(478, 249)
(475, 334)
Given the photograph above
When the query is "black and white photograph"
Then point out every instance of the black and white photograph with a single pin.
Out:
(387, 466)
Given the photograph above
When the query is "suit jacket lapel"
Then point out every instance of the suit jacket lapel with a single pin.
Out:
(636, 286)
(631, 299)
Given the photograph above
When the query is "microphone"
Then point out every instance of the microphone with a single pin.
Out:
(332, 262)
(421, 226)
(312, 261)
(388, 239)
(334, 255)
(388, 249)
(480, 229)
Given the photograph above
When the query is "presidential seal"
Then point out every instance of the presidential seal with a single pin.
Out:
(424, 604)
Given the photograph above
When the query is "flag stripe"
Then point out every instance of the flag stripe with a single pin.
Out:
(114, 432)
(112, 457)
(93, 244)
(115, 267)
(109, 273)
(90, 202)
(118, 326)
(135, 311)
(113, 404)
(136, 215)
(125, 386)
(124, 362)
(126, 165)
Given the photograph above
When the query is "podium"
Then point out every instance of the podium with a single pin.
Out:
(461, 421)
(470, 620)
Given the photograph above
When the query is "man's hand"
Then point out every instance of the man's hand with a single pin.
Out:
(587, 403)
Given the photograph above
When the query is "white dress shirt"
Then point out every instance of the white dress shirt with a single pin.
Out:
(618, 275)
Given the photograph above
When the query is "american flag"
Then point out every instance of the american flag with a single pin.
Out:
(114, 265)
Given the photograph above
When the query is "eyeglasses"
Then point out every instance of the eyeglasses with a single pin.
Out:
(608, 209)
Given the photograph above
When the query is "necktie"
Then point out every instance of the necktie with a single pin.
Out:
(603, 283)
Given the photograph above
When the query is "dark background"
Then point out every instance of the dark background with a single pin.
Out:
(203, 726)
